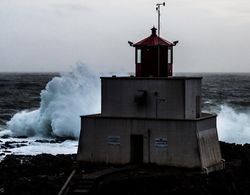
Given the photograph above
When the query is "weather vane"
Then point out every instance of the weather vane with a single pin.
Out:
(158, 6)
(158, 9)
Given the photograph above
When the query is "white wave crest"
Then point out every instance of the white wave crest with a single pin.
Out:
(64, 99)
(232, 126)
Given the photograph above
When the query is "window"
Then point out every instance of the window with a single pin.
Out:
(169, 55)
(138, 56)
(198, 106)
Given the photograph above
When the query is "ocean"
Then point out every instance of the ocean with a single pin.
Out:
(40, 112)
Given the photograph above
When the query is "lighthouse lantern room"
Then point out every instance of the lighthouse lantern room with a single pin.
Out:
(154, 56)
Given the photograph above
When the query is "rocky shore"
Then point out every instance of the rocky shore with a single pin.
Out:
(46, 174)
(29, 175)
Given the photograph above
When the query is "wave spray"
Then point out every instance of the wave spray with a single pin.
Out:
(63, 101)
(233, 126)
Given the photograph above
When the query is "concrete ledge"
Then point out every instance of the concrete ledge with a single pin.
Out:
(152, 78)
(203, 117)
(216, 167)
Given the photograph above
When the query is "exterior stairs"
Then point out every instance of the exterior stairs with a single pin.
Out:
(80, 182)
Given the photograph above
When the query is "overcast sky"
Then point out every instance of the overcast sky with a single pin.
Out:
(53, 35)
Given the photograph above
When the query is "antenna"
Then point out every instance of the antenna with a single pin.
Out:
(158, 9)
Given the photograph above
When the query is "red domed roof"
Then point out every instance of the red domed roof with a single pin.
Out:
(153, 40)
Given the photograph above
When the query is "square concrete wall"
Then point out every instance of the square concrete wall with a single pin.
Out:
(165, 98)
(165, 142)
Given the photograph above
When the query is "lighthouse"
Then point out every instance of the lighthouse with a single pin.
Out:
(152, 117)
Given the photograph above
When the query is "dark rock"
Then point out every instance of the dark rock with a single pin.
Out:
(5, 136)
(13, 144)
(42, 141)
(21, 145)
(10, 142)
(3, 147)
(60, 140)
(40, 174)
(7, 151)
(22, 137)
(54, 141)
(46, 174)
(9, 145)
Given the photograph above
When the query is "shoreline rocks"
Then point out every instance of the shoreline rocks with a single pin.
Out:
(46, 174)
(40, 174)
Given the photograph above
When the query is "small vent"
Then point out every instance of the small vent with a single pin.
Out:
(140, 97)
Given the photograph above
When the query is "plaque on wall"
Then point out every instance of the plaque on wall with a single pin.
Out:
(161, 142)
(114, 140)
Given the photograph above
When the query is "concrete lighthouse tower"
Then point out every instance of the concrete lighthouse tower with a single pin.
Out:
(152, 117)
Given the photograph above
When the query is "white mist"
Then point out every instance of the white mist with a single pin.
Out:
(64, 99)
(232, 126)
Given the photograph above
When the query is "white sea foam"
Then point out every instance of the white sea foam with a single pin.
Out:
(64, 99)
(34, 148)
(233, 127)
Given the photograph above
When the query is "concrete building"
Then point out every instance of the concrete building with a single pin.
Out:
(150, 118)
